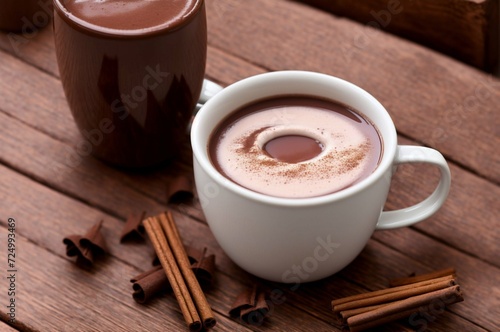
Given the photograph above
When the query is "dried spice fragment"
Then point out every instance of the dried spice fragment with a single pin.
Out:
(149, 284)
(133, 230)
(154, 282)
(203, 267)
(86, 247)
(164, 235)
(180, 189)
(250, 306)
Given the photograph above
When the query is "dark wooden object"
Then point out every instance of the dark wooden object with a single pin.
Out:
(51, 193)
(467, 30)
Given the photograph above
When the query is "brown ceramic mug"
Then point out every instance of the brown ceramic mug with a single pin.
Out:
(132, 73)
(24, 15)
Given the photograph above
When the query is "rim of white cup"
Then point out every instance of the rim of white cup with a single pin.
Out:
(261, 82)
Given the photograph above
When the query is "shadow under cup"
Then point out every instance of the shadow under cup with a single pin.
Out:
(288, 239)
(131, 92)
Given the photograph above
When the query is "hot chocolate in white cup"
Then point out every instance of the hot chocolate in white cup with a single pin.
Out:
(294, 240)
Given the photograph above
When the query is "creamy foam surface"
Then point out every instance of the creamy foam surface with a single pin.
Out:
(349, 153)
(130, 14)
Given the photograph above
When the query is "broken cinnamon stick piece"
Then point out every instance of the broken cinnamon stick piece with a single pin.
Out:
(133, 230)
(428, 276)
(149, 284)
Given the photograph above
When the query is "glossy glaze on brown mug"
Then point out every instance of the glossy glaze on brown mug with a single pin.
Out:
(131, 92)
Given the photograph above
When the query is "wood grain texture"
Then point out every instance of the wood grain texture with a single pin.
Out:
(45, 217)
(70, 299)
(304, 38)
(24, 148)
(464, 29)
(434, 100)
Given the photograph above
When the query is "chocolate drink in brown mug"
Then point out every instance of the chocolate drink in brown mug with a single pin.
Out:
(132, 73)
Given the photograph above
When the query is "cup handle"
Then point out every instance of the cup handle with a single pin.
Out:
(418, 212)
(208, 90)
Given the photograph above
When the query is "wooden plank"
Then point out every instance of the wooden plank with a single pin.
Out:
(377, 258)
(437, 98)
(36, 48)
(472, 273)
(6, 328)
(432, 98)
(46, 235)
(21, 83)
(27, 150)
(376, 265)
(54, 295)
(469, 218)
(45, 217)
(38, 210)
(464, 29)
(43, 158)
(49, 106)
(46, 159)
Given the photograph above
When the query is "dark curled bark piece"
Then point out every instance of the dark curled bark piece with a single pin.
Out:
(250, 305)
(180, 189)
(256, 314)
(72, 243)
(94, 240)
(204, 267)
(244, 300)
(86, 247)
(133, 230)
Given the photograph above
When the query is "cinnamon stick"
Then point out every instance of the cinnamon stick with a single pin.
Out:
(343, 315)
(390, 295)
(422, 277)
(154, 282)
(181, 256)
(166, 257)
(403, 308)
(148, 284)
(168, 246)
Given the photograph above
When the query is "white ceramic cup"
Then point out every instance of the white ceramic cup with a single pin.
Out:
(294, 240)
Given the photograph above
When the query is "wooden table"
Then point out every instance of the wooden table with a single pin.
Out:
(434, 101)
